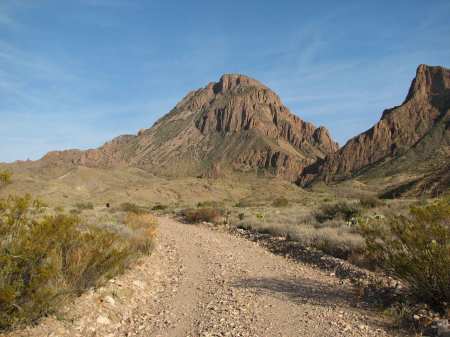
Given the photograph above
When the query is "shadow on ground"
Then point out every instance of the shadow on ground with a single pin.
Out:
(299, 290)
(312, 292)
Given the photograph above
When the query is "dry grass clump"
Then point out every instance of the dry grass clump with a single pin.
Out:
(5, 178)
(341, 210)
(46, 258)
(159, 207)
(416, 249)
(129, 207)
(144, 228)
(209, 204)
(84, 206)
(196, 215)
(339, 242)
(333, 237)
(280, 202)
(371, 202)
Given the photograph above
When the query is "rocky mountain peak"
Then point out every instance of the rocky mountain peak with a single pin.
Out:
(430, 82)
(230, 82)
(424, 112)
(236, 123)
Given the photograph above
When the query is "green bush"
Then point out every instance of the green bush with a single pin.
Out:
(46, 258)
(342, 210)
(280, 202)
(416, 249)
(195, 215)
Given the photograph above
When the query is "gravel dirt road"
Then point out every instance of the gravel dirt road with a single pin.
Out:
(203, 282)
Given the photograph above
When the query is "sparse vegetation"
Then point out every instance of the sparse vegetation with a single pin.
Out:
(143, 232)
(59, 209)
(196, 215)
(370, 202)
(333, 237)
(46, 258)
(5, 178)
(209, 204)
(84, 206)
(242, 204)
(280, 202)
(159, 207)
(341, 210)
(416, 249)
(130, 207)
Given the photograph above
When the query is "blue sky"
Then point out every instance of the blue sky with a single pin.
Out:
(76, 73)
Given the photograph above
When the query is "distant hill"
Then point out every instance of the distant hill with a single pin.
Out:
(236, 123)
(411, 140)
(239, 126)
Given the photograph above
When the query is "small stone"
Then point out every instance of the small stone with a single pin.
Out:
(110, 300)
(103, 320)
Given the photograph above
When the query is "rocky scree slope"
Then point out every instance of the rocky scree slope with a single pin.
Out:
(236, 123)
(412, 138)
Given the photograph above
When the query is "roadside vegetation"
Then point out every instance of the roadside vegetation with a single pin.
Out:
(84, 205)
(202, 214)
(416, 249)
(406, 239)
(5, 178)
(48, 256)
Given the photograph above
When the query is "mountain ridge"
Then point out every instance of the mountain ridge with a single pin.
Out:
(237, 123)
(401, 129)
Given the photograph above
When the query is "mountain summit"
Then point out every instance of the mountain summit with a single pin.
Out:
(412, 138)
(236, 123)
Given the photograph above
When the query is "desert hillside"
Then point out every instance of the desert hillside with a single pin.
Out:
(235, 124)
(411, 140)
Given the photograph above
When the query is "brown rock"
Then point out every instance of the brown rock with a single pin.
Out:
(419, 125)
(236, 123)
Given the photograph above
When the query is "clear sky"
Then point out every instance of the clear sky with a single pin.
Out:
(76, 73)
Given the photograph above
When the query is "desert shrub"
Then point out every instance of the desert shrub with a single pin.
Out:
(201, 214)
(46, 258)
(75, 211)
(209, 204)
(341, 210)
(370, 202)
(416, 249)
(59, 209)
(84, 205)
(159, 207)
(144, 227)
(132, 208)
(243, 204)
(280, 202)
(337, 242)
(5, 178)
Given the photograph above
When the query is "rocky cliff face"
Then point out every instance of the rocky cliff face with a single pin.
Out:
(424, 115)
(235, 123)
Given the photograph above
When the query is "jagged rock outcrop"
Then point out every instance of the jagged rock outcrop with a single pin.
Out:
(236, 123)
(406, 137)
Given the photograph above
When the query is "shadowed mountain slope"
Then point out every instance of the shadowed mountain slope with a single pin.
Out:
(412, 139)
